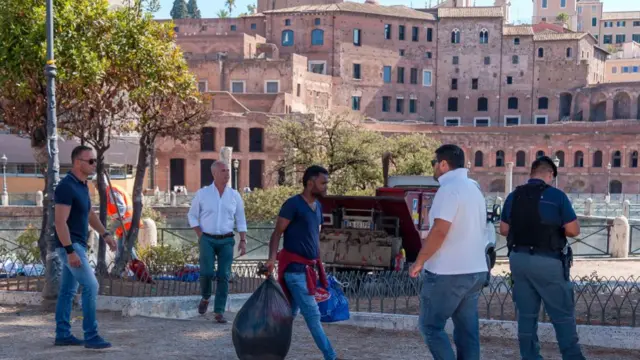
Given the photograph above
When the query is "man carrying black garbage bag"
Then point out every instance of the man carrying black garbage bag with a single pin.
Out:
(300, 219)
(536, 220)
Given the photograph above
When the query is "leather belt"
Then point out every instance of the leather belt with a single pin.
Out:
(537, 251)
(220, 237)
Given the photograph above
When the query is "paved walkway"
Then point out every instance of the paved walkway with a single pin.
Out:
(26, 333)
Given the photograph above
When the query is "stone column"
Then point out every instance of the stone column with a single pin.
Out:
(39, 198)
(626, 208)
(588, 207)
(619, 238)
(225, 156)
(508, 183)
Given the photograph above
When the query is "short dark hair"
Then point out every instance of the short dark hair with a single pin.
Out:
(79, 150)
(544, 164)
(452, 154)
(312, 172)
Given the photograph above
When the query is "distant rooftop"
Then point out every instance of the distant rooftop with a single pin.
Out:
(395, 11)
(621, 15)
(519, 30)
(470, 12)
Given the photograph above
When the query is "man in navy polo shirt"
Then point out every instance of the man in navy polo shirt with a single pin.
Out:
(300, 219)
(537, 219)
(73, 214)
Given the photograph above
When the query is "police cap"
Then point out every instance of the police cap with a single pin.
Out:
(546, 160)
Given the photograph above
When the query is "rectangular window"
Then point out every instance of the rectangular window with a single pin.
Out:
(455, 60)
(254, 26)
(356, 71)
(454, 84)
(386, 103)
(544, 4)
(474, 84)
(355, 103)
(414, 76)
(451, 122)
(481, 122)
(318, 67)
(428, 55)
(237, 87)
(400, 105)
(298, 90)
(400, 75)
(636, 23)
(401, 52)
(635, 69)
(233, 28)
(541, 120)
(357, 37)
(272, 87)
(429, 34)
(621, 24)
(202, 86)
(387, 31)
(287, 22)
(415, 31)
(614, 69)
(386, 74)
(487, 60)
(401, 32)
(256, 139)
(413, 106)
(316, 21)
(579, 9)
(594, 21)
(620, 38)
(563, 3)
(452, 104)
(607, 39)
(625, 69)
(511, 121)
(426, 77)
(509, 80)
(636, 38)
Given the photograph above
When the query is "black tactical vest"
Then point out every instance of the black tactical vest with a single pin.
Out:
(526, 227)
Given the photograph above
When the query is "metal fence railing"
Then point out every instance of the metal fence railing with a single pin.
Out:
(593, 241)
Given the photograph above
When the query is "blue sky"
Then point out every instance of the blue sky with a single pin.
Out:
(520, 9)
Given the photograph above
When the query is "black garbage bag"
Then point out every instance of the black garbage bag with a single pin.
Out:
(263, 326)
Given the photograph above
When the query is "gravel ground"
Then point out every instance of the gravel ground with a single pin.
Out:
(26, 333)
(582, 267)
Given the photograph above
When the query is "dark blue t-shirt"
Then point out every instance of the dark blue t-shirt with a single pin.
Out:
(555, 207)
(75, 193)
(302, 236)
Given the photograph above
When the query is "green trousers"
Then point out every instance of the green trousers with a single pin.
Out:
(210, 250)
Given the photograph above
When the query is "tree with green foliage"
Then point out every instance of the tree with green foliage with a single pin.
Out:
(222, 14)
(251, 8)
(164, 94)
(262, 205)
(81, 28)
(230, 4)
(179, 10)
(563, 18)
(192, 10)
(351, 153)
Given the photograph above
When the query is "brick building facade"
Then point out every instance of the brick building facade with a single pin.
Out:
(454, 70)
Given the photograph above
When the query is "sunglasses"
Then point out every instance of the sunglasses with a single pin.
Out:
(90, 161)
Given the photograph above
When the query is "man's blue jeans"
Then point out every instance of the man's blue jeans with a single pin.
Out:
(455, 297)
(539, 278)
(306, 304)
(71, 276)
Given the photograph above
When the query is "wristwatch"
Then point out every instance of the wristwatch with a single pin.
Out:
(69, 249)
(106, 233)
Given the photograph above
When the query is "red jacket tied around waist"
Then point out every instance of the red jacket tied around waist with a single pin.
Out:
(286, 257)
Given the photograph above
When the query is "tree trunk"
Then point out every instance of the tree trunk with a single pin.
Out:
(138, 184)
(101, 267)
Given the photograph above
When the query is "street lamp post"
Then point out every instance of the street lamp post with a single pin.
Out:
(556, 161)
(609, 180)
(236, 164)
(5, 194)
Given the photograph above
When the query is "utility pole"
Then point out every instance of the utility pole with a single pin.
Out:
(52, 266)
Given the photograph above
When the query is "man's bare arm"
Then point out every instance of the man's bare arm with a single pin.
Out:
(572, 229)
(504, 228)
(281, 226)
(95, 223)
(434, 240)
(61, 216)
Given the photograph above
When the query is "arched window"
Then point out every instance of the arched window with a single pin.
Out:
(483, 104)
(578, 159)
(597, 159)
(317, 37)
(543, 103)
(499, 158)
(521, 159)
(560, 156)
(569, 52)
(615, 187)
(287, 38)
(484, 36)
(633, 162)
(539, 154)
(540, 52)
(479, 159)
(616, 159)
(455, 36)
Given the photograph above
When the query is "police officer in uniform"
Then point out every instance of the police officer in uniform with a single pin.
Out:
(537, 219)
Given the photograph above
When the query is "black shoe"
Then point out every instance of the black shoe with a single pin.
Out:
(68, 341)
(97, 343)
(202, 307)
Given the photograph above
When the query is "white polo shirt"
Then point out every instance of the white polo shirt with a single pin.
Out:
(460, 202)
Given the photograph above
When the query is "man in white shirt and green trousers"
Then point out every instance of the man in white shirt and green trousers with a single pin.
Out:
(212, 214)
